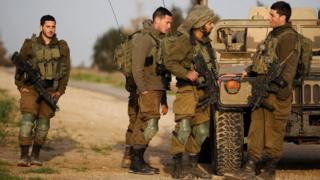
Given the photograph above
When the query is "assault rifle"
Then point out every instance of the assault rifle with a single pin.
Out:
(165, 75)
(210, 82)
(34, 77)
(262, 86)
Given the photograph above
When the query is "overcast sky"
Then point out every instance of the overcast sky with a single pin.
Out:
(81, 22)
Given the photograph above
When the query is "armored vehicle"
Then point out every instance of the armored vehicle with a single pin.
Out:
(235, 42)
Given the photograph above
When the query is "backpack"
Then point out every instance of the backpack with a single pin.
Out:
(305, 56)
(165, 44)
(123, 55)
(304, 47)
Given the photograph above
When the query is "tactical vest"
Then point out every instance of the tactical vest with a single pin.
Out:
(47, 60)
(266, 52)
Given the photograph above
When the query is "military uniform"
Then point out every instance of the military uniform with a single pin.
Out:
(133, 107)
(132, 111)
(145, 56)
(192, 121)
(267, 129)
(187, 97)
(53, 62)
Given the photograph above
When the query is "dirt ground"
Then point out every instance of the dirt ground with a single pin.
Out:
(86, 141)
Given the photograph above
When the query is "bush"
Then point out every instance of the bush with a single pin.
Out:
(5, 108)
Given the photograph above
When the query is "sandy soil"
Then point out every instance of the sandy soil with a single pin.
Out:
(86, 140)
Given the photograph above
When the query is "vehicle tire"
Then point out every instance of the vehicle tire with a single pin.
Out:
(228, 141)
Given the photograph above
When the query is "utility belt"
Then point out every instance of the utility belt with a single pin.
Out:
(46, 83)
(183, 82)
(198, 84)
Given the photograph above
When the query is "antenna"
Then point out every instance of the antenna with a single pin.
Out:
(164, 4)
(115, 17)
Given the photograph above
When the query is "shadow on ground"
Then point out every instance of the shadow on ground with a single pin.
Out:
(300, 157)
(57, 147)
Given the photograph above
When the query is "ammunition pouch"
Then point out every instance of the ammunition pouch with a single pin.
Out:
(149, 61)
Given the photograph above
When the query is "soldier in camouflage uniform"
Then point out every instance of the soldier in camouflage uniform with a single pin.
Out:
(192, 122)
(267, 129)
(133, 107)
(51, 56)
(150, 88)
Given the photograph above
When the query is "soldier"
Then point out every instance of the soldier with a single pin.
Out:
(133, 110)
(150, 88)
(51, 56)
(267, 129)
(133, 107)
(192, 121)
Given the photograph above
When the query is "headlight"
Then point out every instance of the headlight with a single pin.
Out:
(232, 86)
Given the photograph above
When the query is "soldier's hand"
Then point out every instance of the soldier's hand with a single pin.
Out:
(144, 92)
(192, 75)
(56, 95)
(244, 74)
(164, 109)
(24, 89)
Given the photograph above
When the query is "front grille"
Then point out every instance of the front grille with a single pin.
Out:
(311, 94)
(316, 94)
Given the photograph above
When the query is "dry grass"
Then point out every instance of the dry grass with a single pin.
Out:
(90, 75)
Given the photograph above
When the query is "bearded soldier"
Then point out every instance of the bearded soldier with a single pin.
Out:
(267, 129)
(51, 58)
(192, 121)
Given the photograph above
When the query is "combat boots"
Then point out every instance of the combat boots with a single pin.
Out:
(178, 171)
(195, 171)
(138, 165)
(35, 155)
(24, 157)
(268, 169)
(126, 160)
(246, 173)
(156, 170)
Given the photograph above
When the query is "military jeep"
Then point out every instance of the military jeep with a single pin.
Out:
(235, 42)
